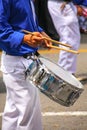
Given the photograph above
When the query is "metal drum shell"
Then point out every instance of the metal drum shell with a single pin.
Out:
(53, 83)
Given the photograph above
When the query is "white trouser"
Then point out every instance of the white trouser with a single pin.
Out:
(67, 26)
(22, 109)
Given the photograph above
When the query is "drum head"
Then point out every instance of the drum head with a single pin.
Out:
(60, 72)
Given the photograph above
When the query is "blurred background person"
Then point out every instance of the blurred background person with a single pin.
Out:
(81, 6)
(64, 16)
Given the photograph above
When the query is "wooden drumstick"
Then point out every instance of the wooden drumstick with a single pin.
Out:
(64, 49)
(49, 39)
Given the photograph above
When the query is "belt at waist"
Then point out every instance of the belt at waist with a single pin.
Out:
(31, 54)
(25, 55)
(62, 0)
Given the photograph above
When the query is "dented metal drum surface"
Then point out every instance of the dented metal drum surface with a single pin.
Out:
(52, 80)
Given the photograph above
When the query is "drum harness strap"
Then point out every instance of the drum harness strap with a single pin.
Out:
(28, 55)
(35, 58)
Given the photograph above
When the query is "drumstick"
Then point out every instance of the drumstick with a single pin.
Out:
(64, 49)
(49, 39)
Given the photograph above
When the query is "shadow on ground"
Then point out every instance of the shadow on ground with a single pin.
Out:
(2, 86)
(82, 78)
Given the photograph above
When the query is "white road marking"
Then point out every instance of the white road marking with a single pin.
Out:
(69, 113)
(1, 114)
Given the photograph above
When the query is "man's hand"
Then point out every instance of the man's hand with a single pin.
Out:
(63, 5)
(46, 43)
(79, 10)
(34, 39)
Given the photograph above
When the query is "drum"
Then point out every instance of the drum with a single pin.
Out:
(52, 80)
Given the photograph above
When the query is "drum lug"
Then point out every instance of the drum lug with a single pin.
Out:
(73, 97)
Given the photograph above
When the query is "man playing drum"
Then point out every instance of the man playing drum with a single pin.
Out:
(22, 108)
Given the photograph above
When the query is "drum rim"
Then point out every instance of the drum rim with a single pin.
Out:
(80, 86)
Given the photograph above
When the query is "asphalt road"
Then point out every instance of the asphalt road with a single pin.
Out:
(56, 116)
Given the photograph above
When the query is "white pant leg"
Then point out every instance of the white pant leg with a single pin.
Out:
(22, 109)
(67, 26)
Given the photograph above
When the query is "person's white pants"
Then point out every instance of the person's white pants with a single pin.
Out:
(67, 26)
(22, 108)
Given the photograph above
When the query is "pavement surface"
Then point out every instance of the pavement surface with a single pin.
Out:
(54, 115)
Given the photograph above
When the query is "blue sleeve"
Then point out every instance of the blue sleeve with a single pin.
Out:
(80, 2)
(40, 29)
(8, 37)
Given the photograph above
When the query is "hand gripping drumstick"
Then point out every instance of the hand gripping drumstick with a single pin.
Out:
(54, 41)
(49, 39)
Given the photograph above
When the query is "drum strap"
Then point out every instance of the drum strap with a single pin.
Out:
(31, 54)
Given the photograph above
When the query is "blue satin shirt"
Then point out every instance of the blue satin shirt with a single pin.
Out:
(16, 15)
(80, 2)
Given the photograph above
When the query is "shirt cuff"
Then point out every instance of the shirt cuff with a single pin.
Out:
(16, 39)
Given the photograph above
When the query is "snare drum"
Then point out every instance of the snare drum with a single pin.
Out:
(52, 80)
